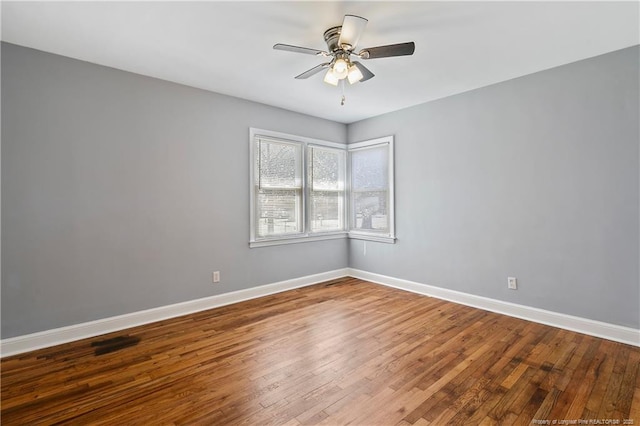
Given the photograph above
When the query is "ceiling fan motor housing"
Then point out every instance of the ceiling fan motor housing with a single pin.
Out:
(331, 37)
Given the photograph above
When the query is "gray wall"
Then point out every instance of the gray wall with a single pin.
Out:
(122, 192)
(535, 178)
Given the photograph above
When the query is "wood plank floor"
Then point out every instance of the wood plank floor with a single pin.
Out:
(343, 352)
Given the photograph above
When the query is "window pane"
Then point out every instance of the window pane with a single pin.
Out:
(370, 189)
(371, 211)
(326, 194)
(370, 168)
(279, 165)
(327, 169)
(326, 211)
(278, 212)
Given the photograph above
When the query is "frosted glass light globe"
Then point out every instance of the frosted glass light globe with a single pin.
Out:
(340, 68)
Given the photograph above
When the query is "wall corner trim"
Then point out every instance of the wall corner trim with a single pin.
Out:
(617, 333)
(43, 339)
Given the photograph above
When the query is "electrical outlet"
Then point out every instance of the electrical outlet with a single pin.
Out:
(512, 283)
(216, 277)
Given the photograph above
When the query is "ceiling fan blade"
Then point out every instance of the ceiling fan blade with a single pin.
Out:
(352, 28)
(313, 71)
(298, 49)
(366, 74)
(400, 49)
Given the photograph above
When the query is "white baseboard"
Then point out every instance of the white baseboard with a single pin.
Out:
(57, 336)
(630, 336)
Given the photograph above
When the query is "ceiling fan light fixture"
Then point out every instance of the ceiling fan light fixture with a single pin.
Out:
(331, 78)
(340, 68)
(354, 74)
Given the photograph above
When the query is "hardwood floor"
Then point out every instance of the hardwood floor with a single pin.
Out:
(344, 352)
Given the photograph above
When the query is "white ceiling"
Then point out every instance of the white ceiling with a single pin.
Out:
(226, 47)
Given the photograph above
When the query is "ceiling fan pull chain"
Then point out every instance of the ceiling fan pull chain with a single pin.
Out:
(342, 87)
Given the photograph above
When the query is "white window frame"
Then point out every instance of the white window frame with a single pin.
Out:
(389, 237)
(306, 235)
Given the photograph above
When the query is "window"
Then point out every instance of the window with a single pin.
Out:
(299, 189)
(326, 188)
(371, 191)
(278, 188)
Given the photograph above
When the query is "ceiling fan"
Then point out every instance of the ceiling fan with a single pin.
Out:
(341, 42)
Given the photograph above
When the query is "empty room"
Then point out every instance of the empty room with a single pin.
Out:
(320, 213)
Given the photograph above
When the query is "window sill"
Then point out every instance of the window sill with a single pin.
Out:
(372, 237)
(296, 239)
